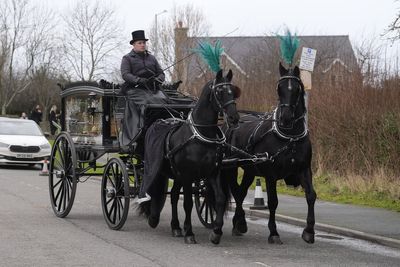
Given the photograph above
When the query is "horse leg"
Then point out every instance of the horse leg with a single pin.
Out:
(220, 202)
(272, 205)
(188, 206)
(306, 183)
(239, 219)
(175, 191)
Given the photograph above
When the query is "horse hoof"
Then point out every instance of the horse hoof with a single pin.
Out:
(153, 222)
(215, 238)
(241, 226)
(177, 233)
(236, 232)
(190, 239)
(275, 239)
(308, 237)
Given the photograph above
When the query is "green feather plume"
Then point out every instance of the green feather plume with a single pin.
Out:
(211, 54)
(289, 45)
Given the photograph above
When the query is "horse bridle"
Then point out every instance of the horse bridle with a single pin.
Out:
(294, 106)
(220, 106)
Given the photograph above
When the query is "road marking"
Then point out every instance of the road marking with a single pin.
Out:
(356, 244)
(260, 263)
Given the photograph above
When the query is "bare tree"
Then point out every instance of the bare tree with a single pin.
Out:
(91, 35)
(191, 18)
(23, 31)
(393, 30)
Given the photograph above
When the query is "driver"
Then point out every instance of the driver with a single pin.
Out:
(143, 76)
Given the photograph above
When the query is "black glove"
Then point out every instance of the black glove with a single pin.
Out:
(142, 81)
(159, 80)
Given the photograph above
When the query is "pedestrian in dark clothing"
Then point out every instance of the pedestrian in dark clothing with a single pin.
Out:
(53, 117)
(36, 115)
(143, 75)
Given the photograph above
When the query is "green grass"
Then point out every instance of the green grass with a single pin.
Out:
(340, 190)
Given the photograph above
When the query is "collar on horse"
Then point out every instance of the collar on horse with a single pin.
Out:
(219, 141)
(195, 135)
(282, 135)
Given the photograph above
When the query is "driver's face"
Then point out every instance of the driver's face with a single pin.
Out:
(139, 46)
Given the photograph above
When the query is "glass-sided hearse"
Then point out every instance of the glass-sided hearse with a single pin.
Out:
(91, 121)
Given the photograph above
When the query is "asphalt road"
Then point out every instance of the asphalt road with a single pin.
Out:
(31, 235)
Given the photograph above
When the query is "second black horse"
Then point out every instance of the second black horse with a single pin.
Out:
(282, 136)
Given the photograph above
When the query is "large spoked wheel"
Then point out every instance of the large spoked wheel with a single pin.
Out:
(62, 177)
(203, 199)
(115, 193)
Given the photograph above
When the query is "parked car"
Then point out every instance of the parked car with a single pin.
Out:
(22, 141)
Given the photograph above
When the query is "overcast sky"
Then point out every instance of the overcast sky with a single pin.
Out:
(356, 18)
(360, 19)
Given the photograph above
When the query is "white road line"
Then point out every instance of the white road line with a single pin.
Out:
(262, 264)
(353, 243)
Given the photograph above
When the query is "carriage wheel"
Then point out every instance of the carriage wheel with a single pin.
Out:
(62, 177)
(115, 193)
(203, 197)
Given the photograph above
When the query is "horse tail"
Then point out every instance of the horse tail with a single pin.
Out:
(157, 192)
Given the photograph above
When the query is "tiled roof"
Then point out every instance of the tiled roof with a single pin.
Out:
(245, 49)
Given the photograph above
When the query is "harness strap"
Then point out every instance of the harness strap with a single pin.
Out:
(276, 130)
(195, 135)
(251, 141)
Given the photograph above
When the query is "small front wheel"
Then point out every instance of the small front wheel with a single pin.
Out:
(115, 193)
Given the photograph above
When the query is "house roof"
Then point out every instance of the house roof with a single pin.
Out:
(248, 51)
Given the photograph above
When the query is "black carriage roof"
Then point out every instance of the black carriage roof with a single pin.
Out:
(102, 88)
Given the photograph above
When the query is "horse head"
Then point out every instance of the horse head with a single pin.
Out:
(291, 97)
(223, 95)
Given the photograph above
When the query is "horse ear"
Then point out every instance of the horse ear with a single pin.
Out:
(229, 75)
(219, 75)
(282, 70)
(296, 72)
(236, 92)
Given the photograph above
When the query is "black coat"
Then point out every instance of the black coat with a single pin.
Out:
(36, 116)
(135, 66)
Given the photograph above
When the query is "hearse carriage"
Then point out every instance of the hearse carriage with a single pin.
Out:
(91, 120)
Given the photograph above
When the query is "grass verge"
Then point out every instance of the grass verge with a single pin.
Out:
(377, 190)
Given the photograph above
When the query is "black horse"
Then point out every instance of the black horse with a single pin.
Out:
(194, 151)
(283, 137)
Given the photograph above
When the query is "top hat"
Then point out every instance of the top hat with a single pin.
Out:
(138, 35)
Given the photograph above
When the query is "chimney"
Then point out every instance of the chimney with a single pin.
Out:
(181, 51)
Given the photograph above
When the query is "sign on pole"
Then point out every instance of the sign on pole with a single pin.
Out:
(307, 59)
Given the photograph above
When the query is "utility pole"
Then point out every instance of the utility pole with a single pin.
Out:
(156, 32)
